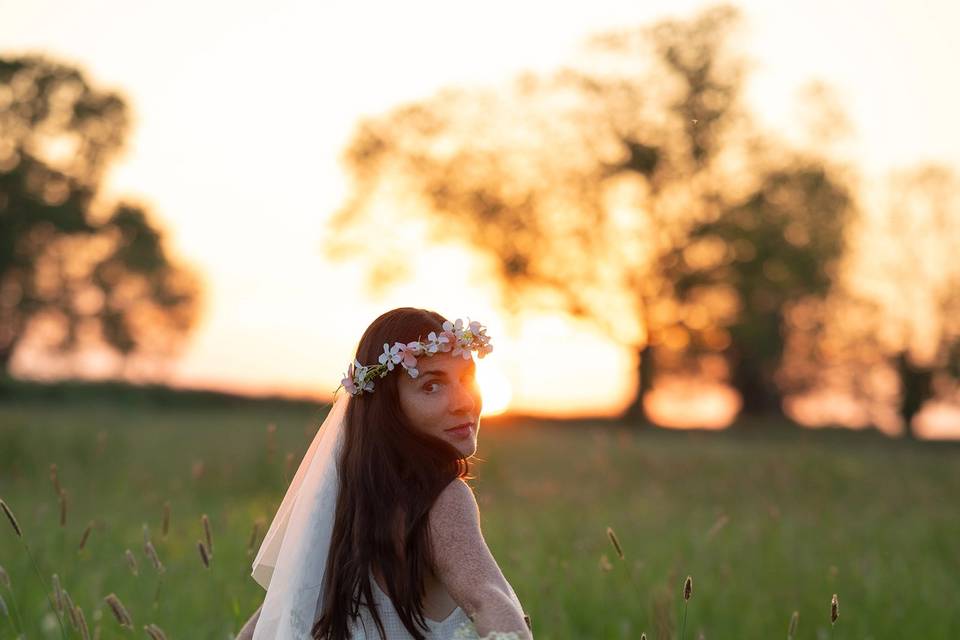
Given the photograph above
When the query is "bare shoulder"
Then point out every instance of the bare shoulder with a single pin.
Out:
(455, 504)
(464, 564)
(455, 527)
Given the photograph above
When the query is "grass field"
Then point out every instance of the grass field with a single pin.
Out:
(766, 521)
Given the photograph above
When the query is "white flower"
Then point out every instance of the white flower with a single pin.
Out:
(359, 378)
(436, 343)
(461, 339)
(391, 355)
(454, 328)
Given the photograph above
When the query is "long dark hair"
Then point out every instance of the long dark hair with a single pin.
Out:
(390, 476)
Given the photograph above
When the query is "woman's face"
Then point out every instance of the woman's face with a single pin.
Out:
(444, 400)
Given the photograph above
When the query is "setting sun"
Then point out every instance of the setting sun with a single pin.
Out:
(495, 388)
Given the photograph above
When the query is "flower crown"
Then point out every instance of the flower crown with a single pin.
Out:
(455, 338)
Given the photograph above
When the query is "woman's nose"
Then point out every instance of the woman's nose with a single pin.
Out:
(466, 398)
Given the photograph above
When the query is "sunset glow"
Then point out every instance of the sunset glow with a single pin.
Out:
(244, 190)
(495, 388)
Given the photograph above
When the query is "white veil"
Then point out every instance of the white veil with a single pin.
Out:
(293, 555)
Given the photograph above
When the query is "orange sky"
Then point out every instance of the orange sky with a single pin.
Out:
(221, 90)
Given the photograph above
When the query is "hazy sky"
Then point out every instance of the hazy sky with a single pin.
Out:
(241, 110)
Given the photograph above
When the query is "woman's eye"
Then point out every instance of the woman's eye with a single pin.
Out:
(427, 387)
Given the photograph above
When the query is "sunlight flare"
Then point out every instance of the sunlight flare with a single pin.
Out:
(495, 387)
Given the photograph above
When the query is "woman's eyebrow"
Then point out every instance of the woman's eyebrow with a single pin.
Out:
(443, 374)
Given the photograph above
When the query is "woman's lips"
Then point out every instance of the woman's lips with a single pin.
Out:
(462, 431)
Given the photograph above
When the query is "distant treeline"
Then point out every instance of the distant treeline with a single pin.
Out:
(123, 393)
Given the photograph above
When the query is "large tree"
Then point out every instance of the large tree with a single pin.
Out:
(889, 333)
(76, 271)
(774, 248)
(585, 184)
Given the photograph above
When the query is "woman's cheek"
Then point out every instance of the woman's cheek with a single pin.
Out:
(434, 402)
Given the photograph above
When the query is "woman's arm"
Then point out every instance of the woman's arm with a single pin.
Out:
(466, 567)
(247, 632)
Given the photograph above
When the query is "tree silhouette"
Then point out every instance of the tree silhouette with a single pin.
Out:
(585, 184)
(895, 315)
(73, 271)
(776, 247)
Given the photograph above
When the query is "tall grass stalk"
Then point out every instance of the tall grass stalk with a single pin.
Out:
(17, 530)
(687, 593)
(794, 623)
(615, 541)
(119, 611)
(5, 581)
(151, 553)
(834, 612)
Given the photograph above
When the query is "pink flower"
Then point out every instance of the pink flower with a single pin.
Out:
(347, 381)
(447, 340)
(407, 358)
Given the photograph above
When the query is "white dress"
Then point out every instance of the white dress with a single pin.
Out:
(455, 625)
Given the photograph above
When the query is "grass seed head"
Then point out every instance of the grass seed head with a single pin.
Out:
(605, 563)
(155, 632)
(254, 534)
(794, 622)
(615, 542)
(154, 558)
(70, 607)
(82, 624)
(11, 518)
(86, 534)
(132, 562)
(57, 592)
(834, 609)
(204, 556)
(119, 611)
(687, 588)
(207, 533)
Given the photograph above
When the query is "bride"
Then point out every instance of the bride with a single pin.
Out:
(379, 534)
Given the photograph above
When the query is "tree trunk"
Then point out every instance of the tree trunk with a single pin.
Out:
(758, 393)
(916, 387)
(635, 413)
(6, 353)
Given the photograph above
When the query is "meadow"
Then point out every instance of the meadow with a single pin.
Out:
(767, 520)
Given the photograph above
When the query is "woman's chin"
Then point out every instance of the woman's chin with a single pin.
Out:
(466, 448)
